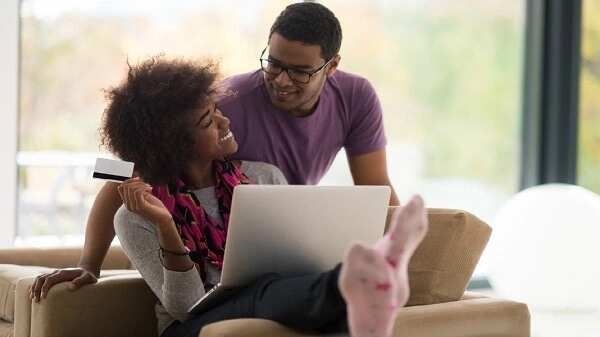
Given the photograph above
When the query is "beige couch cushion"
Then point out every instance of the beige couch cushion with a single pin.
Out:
(9, 275)
(444, 262)
(6, 329)
(63, 257)
(472, 316)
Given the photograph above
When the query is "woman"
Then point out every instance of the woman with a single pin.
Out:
(173, 224)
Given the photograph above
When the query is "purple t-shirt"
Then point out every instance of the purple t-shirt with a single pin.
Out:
(348, 115)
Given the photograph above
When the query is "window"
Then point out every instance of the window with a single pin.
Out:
(588, 165)
(448, 74)
(71, 50)
(449, 77)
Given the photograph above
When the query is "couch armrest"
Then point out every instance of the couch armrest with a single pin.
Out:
(60, 257)
(472, 316)
(118, 305)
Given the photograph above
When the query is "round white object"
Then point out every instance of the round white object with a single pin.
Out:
(545, 248)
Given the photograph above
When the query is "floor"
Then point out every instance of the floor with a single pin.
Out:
(565, 324)
(545, 323)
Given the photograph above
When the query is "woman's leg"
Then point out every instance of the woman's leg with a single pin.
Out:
(311, 302)
(374, 280)
(368, 288)
(370, 285)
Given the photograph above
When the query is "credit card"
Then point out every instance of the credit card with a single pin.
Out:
(113, 170)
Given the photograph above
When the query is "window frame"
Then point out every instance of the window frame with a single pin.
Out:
(9, 98)
(551, 92)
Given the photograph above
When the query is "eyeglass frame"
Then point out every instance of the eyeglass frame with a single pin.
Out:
(286, 69)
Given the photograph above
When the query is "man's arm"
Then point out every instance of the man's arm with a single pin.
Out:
(100, 230)
(99, 234)
(371, 169)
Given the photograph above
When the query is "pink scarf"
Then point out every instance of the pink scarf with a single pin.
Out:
(204, 239)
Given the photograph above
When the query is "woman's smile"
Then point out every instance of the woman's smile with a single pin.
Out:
(226, 137)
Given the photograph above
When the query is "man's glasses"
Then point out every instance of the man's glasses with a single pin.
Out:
(273, 69)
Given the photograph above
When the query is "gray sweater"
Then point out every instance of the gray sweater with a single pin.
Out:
(177, 291)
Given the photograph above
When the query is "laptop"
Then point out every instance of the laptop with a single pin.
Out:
(294, 230)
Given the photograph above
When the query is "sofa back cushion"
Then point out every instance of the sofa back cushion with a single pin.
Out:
(62, 257)
(443, 264)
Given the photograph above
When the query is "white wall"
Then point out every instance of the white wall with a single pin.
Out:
(9, 52)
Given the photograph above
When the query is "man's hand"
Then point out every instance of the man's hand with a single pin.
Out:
(371, 169)
(77, 277)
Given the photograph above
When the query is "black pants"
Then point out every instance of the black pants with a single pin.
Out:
(311, 303)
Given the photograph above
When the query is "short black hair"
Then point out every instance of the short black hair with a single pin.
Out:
(310, 23)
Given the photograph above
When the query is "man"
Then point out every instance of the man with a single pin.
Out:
(297, 112)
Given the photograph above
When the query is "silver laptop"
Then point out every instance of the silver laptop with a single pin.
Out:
(294, 230)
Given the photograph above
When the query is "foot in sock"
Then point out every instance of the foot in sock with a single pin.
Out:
(407, 228)
(368, 286)
(374, 281)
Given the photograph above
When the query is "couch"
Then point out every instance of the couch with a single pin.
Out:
(120, 304)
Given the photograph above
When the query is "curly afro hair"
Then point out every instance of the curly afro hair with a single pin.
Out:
(148, 119)
(310, 23)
